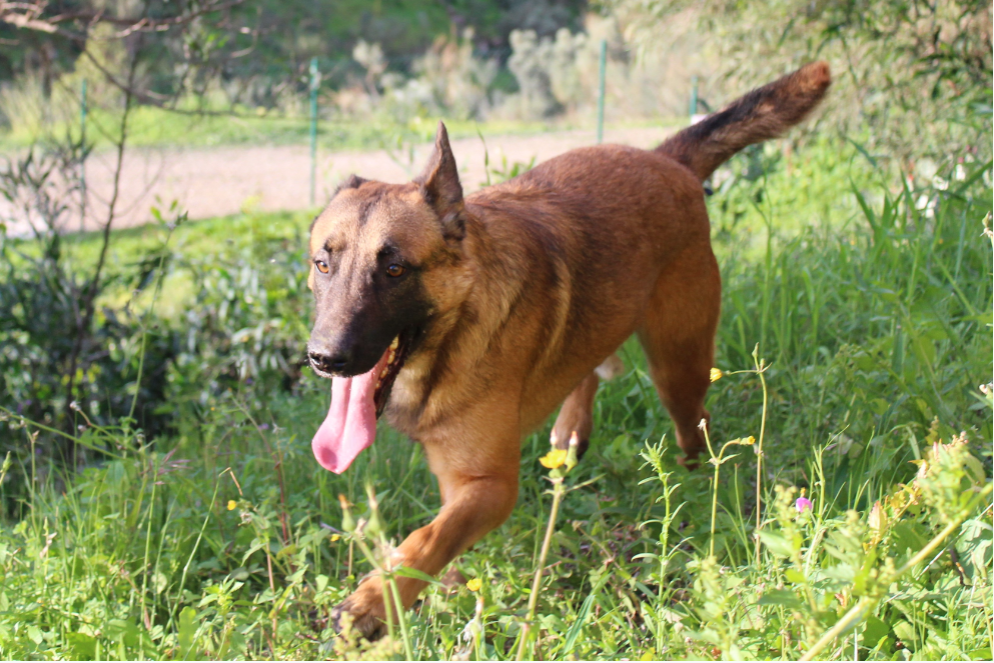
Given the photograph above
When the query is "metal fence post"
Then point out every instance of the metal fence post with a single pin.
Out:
(600, 94)
(82, 163)
(693, 98)
(314, 128)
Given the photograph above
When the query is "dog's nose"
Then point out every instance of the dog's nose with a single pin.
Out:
(329, 363)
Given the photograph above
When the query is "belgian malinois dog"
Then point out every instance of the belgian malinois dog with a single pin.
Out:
(467, 320)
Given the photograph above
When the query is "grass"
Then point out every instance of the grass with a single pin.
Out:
(869, 306)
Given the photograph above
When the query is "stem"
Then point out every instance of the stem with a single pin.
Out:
(196, 545)
(401, 620)
(151, 307)
(716, 461)
(89, 294)
(867, 603)
(389, 590)
(557, 495)
(760, 369)
(148, 538)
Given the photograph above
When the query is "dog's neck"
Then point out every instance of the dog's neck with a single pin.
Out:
(455, 337)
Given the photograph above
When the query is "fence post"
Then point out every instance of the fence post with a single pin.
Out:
(82, 164)
(600, 93)
(314, 128)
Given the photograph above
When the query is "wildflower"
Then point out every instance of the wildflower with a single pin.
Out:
(232, 504)
(335, 537)
(553, 459)
(716, 374)
(474, 585)
(803, 504)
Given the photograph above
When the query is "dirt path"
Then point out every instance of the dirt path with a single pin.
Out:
(225, 180)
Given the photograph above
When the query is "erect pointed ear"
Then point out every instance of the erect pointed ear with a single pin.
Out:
(441, 188)
(353, 181)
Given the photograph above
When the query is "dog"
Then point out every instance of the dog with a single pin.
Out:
(467, 320)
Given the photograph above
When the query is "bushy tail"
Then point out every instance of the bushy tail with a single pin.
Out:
(762, 114)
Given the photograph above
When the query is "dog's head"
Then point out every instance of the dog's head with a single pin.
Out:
(384, 261)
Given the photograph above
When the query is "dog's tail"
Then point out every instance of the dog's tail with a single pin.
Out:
(762, 114)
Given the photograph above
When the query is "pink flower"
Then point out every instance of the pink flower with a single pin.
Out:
(803, 504)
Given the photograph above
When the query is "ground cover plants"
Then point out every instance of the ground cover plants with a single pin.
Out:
(855, 332)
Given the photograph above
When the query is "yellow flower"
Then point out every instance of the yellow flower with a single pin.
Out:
(335, 537)
(232, 505)
(553, 459)
(716, 374)
(474, 585)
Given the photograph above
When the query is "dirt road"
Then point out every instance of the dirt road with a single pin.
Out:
(225, 180)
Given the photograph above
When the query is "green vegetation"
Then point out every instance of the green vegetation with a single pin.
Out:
(855, 330)
(155, 127)
(218, 72)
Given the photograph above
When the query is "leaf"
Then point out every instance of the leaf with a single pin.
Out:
(906, 632)
(777, 544)
(408, 572)
(84, 647)
(974, 545)
(874, 630)
(795, 576)
(581, 618)
(122, 631)
(907, 536)
(783, 597)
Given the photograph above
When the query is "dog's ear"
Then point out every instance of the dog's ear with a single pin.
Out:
(353, 181)
(439, 184)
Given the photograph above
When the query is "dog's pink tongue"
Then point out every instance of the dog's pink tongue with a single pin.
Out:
(351, 422)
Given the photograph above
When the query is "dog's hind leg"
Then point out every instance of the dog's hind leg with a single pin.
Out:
(677, 335)
(576, 416)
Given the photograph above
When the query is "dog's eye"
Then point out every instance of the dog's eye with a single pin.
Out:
(395, 270)
(322, 266)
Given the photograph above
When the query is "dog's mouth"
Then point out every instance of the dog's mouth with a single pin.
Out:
(356, 404)
(395, 357)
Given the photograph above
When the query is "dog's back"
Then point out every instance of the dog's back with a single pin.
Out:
(598, 226)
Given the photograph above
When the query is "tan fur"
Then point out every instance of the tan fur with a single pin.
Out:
(531, 285)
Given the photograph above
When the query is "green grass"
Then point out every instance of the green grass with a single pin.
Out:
(873, 316)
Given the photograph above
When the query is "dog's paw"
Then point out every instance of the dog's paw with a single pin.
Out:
(611, 368)
(362, 612)
(562, 440)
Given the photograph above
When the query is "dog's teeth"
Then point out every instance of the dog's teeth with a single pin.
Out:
(378, 383)
(391, 356)
(395, 343)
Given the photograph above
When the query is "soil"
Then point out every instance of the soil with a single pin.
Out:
(226, 180)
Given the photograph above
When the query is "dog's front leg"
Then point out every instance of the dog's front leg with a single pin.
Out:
(474, 502)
